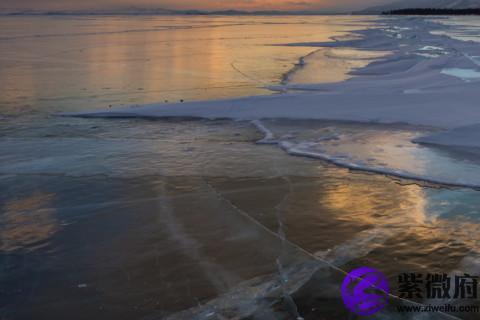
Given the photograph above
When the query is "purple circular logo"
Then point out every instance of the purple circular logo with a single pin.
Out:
(365, 291)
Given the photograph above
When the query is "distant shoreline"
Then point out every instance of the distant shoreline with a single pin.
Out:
(176, 14)
(164, 12)
(433, 12)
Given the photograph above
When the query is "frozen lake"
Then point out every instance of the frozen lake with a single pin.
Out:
(144, 219)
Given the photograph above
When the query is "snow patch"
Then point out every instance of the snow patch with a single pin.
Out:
(464, 74)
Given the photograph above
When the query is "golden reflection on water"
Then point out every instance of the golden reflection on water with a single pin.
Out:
(371, 219)
(386, 221)
(68, 63)
(377, 204)
(27, 222)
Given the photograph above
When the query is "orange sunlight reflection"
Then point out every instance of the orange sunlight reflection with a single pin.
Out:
(27, 222)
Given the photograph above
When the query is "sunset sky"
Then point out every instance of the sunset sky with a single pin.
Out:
(191, 4)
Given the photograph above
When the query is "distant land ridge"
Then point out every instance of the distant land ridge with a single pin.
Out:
(433, 11)
(159, 11)
(422, 4)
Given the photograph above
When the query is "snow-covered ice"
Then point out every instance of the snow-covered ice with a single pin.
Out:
(427, 80)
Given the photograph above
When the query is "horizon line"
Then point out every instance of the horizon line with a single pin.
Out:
(163, 11)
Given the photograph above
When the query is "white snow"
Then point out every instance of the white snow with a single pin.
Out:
(268, 135)
(465, 74)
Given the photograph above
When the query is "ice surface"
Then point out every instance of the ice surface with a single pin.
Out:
(131, 184)
(459, 137)
(363, 98)
(385, 149)
(404, 87)
(465, 74)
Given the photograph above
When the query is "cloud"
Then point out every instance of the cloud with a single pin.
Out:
(299, 4)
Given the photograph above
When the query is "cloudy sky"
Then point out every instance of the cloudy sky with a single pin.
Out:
(191, 4)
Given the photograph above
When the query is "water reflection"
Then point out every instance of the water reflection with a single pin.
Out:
(348, 201)
(387, 149)
(27, 223)
(58, 63)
